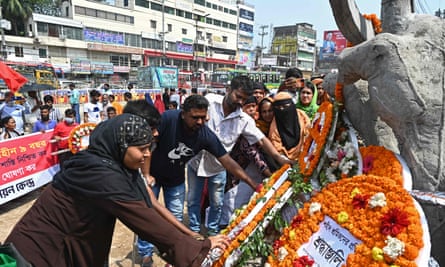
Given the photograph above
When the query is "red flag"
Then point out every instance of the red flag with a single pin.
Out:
(12, 78)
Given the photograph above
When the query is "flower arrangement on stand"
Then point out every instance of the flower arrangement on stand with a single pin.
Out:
(243, 225)
(247, 229)
(375, 210)
(343, 156)
(79, 137)
(320, 135)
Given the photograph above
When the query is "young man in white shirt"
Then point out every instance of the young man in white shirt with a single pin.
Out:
(228, 122)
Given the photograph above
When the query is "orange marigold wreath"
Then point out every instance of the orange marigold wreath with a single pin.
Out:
(76, 140)
(351, 203)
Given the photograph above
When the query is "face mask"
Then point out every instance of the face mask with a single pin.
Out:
(10, 103)
(69, 120)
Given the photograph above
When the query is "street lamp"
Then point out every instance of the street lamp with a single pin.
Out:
(197, 18)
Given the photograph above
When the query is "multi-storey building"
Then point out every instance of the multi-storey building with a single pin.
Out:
(294, 46)
(109, 39)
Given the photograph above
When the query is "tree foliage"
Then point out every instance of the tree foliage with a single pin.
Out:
(19, 11)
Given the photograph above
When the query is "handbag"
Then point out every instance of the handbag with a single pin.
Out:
(12, 257)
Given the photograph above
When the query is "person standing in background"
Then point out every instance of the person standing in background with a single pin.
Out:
(10, 108)
(45, 123)
(54, 113)
(93, 111)
(8, 128)
(74, 96)
(32, 106)
(61, 133)
(117, 106)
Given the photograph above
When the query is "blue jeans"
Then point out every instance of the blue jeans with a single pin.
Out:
(216, 184)
(174, 198)
(77, 110)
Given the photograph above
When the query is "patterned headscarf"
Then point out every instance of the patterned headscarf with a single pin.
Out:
(120, 132)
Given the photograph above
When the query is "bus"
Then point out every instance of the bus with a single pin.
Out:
(39, 75)
(221, 78)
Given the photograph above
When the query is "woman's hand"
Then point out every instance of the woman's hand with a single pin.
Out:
(220, 241)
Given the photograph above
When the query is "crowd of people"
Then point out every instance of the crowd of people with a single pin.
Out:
(210, 151)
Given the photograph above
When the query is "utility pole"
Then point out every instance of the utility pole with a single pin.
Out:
(163, 34)
(262, 34)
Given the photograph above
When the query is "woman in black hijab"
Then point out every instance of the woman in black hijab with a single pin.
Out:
(72, 222)
(288, 127)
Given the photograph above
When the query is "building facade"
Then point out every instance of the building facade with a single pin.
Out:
(106, 40)
(295, 46)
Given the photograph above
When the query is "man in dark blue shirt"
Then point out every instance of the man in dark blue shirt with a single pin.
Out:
(182, 134)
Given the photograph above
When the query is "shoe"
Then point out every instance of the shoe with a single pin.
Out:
(147, 261)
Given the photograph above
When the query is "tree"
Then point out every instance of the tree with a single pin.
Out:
(19, 11)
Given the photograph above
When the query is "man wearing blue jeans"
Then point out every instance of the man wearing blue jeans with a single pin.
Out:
(182, 134)
(74, 96)
(228, 122)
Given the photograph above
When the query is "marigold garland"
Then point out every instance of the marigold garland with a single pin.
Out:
(267, 184)
(318, 135)
(376, 23)
(250, 227)
(74, 140)
(378, 160)
(338, 93)
(364, 223)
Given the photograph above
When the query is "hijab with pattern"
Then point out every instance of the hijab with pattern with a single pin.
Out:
(98, 171)
(287, 121)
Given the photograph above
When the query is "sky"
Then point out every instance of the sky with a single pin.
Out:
(315, 12)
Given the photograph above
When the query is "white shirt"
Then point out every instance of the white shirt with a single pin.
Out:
(93, 111)
(228, 129)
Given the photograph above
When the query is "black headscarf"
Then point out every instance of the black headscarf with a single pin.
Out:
(99, 172)
(286, 119)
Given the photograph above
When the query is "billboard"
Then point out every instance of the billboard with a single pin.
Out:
(333, 43)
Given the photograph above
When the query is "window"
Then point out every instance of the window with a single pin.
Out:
(169, 27)
(209, 36)
(226, 10)
(42, 53)
(101, 14)
(42, 28)
(119, 60)
(18, 51)
(225, 24)
(209, 21)
(53, 30)
(156, 6)
(169, 10)
(81, 10)
(216, 22)
(188, 15)
(208, 4)
(200, 2)
(224, 39)
(142, 3)
(215, 6)
(153, 24)
(179, 13)
(184, 31)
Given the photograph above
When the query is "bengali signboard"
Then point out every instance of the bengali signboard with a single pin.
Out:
(330, 245)
(27, 164)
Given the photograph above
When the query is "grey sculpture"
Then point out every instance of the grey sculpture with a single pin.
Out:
(401, 74)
